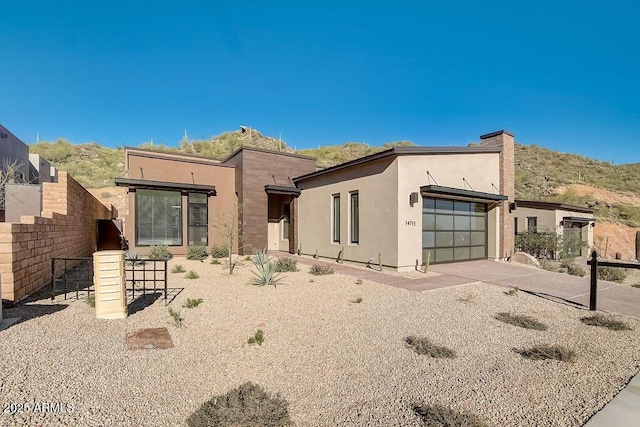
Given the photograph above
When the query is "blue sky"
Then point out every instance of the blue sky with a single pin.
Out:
(563, 75)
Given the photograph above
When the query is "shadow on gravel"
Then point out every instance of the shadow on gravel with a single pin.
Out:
(557, 299)
(26, 311)
(142, 302)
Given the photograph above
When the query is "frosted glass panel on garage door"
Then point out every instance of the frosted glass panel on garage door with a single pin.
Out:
(453, 230)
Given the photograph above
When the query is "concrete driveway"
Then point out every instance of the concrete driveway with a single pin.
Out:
(612, 297)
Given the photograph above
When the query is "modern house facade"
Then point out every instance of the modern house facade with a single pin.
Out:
(183, 200)
(411, 205)
(408, 204)
(569, 221)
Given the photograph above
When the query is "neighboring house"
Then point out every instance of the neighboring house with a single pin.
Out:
(40, 170)
(568, 221)
(406, 203)
(14, 152)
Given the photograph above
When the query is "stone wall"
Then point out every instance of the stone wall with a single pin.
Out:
(66, 228)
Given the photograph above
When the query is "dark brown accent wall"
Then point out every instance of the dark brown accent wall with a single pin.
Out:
(254, 170)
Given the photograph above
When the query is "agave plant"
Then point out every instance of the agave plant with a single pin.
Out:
(260, 257)
(266, 274)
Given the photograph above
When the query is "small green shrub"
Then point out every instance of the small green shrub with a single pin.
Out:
(132, 258)
(422, 345)
(547, 351)
(321, 269)
(513, 291)
(539, 243)
(612, 274)
(196, 252)
(257, 338)
(247, 406)
(247, 258)
(91, 300)
(636, 285)
(605, 322)
(192, 303)
(178, 268)
(176, 317)
(221, 251)
(215, 261)
(521, 321)
(356, 300)
(286, 264)
(192, 275)
(159, 253)
(441, 416)
(575, 270)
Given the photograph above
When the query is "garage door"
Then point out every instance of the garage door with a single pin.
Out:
(453, 230)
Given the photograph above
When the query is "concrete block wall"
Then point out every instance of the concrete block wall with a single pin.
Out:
(67, 228)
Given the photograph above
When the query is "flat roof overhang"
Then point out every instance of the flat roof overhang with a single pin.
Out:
(461, 194)
(164, 185)
(282, 190)
(578, 219)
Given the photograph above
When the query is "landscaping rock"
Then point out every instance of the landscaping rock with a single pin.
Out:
(524, 258)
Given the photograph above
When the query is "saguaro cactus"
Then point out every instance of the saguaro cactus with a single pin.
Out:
(637, 245)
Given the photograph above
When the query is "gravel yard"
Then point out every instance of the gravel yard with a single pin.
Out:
(335, 361)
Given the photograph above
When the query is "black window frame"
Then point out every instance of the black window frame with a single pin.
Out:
(354, 218)
(200, 205)
(335, 218)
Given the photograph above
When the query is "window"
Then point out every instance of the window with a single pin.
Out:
(336, 218)
(354, 218)
(532, 224)
(158, 218)
(285, 221)
(198, 219)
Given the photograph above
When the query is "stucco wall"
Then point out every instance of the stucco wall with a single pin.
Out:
(480, 170)
(22, 199)
(179, 169)
(67, 228)
(12, 150)
(377, 184)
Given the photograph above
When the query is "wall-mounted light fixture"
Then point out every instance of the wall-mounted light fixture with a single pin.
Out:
(4, 135)
(413, 199)
(513, 206)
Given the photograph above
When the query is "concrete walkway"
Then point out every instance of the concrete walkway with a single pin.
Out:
(612, 297)
(622, 411)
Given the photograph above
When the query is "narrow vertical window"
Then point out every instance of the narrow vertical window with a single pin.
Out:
(285, 221)
(336, 218)
(532, 224)
(515, 225)
(354, 220)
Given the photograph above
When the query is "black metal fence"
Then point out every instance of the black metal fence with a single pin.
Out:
(595, 263)
(74, 275)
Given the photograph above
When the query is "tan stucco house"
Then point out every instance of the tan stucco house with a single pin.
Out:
(566, 220)
(408, 204)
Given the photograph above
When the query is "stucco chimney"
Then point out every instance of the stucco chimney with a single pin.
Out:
(505, 141)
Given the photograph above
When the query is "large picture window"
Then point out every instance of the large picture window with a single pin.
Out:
(336, 218)
(354, 217)
(158, 218)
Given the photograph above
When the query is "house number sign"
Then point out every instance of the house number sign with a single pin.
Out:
(410, 223)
